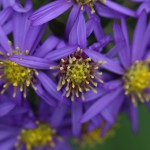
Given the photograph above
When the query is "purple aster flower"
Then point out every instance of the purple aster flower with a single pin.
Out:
(77, 76)
(144, 6)
(21, 60)
(132, 87)
(20, 129)
(105, 8)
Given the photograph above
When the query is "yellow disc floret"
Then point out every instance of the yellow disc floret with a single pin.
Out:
(137, 80)
(89, 3)
(92, 138)
(40, 136)
(78, 74)
(15, 74)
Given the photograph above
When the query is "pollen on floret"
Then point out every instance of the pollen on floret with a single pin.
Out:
(89, 3)
(13, 74)
(137, 81)
(93, 137)
(42, 136)
(78, 74)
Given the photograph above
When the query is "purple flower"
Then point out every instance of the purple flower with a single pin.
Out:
(132, 87)
(77, 74)
(144, 6)
(105, 8)
(22, 60)
(20, 129)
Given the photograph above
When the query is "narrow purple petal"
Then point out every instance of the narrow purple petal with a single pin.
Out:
(4, 41)
(6, 107)
(47, 46)
(45, 96)
(133, 114)
(61, 53)
(123, 48)
(120, 8)
(20, 27)
(111, 65)
(72, 18)
(100, 104)
(50, 11)
(5, 14)
(49, 85)
(58, 115)
(32, 62)
(77, 35)
(18, 7)
(137, 47)
(76, 116)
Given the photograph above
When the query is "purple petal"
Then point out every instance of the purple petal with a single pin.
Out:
(123, 48)
(58, 113)
(49, 85)
(6, 107)
(76, 116)
(137, 47)
(50, 11)
(45, 96)
(32, 62)
(107, 12)
(110, 64)
(47, 46)
(133, 114)
(72, 18)
(8, 144)
(4, 41)
(61, 53)
(100, 104)
(119, 8)
(20, 27)
(18, 7)
(5, 14)
(77, 35)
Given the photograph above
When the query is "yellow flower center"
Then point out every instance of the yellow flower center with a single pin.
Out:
(40, 136)
(78, 74)
(89, 3)
(93, 137)
(14, 74)
(137, 80)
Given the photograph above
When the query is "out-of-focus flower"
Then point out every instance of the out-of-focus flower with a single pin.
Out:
(21, 59)
(105, 8)
(20, 130)
(132, 87)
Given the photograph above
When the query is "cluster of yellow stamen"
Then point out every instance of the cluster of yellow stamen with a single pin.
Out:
(92, 138)
(42, 136)
(89, 3)
(137, 80)
(78, 74)
(14, 74)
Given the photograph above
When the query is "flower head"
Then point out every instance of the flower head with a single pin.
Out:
(105, 8)
(132, 86)
(29, 132)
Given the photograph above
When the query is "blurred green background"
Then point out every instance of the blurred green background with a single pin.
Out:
(124, 138)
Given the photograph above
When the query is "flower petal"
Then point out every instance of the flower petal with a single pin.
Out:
(100, 104)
